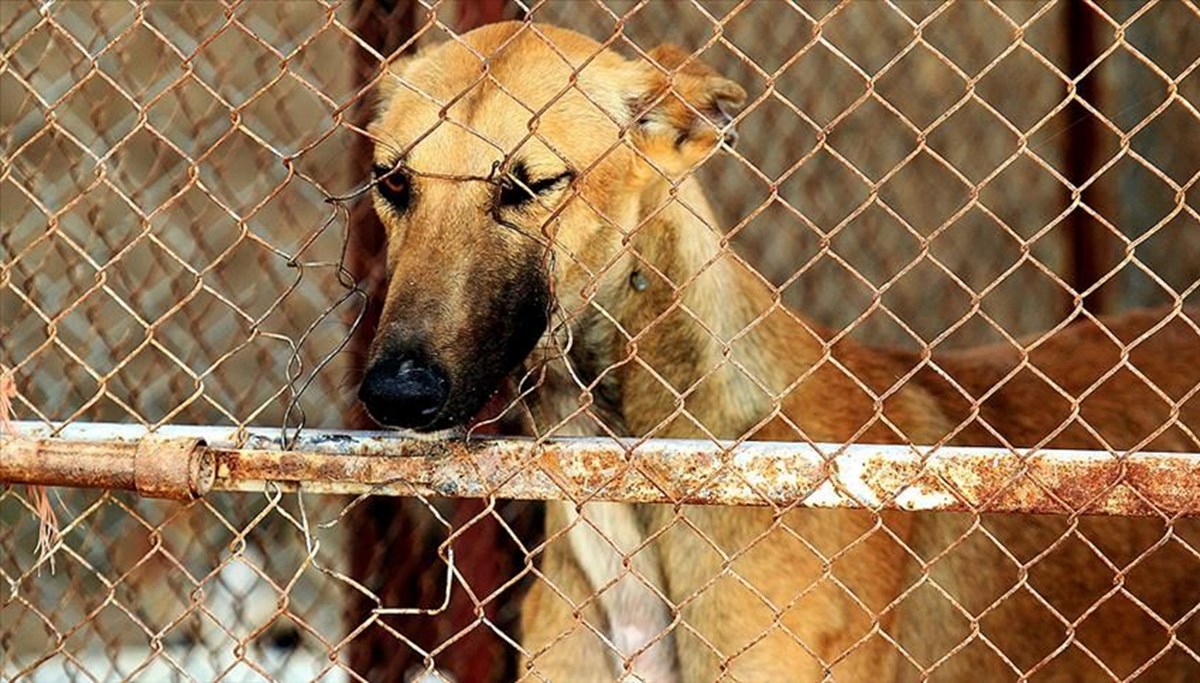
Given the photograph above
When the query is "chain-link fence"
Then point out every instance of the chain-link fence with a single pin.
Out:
(834, 402)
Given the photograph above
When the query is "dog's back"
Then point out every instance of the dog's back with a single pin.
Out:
(1115, 384)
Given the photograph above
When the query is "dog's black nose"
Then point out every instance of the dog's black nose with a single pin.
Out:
(404, 393)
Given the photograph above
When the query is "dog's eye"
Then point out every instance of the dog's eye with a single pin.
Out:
(517, 191)
(392, 184)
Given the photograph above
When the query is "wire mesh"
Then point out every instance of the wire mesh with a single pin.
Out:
(188, 238)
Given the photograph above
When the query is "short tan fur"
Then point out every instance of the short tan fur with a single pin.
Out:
(679, 338)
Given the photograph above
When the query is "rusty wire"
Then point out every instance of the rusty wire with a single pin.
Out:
(177, 199)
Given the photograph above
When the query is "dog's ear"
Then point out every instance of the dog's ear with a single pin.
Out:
(681, 109)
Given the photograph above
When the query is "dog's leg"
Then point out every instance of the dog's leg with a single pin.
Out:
(619, 578)
(605, 540)
(559, 620)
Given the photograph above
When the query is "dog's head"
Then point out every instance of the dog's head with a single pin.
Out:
(509, 167)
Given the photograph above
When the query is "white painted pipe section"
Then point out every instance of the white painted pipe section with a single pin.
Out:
(778, 474)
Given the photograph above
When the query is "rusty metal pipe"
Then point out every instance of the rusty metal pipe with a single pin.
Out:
(155, 466)
(54, 462)
(658, 471)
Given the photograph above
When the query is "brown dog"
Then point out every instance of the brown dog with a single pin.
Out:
(536, 192)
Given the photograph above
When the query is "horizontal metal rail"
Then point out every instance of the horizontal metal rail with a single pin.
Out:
(184, 462)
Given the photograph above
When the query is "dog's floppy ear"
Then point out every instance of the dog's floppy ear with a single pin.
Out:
(681, 109)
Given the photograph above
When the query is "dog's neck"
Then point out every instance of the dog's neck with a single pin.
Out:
(678, 340)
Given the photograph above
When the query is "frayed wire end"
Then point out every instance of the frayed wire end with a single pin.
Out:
(48, 533)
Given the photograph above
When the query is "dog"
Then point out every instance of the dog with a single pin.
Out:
(543, 225)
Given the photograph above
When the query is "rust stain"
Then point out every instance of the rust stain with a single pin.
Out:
(657, 471)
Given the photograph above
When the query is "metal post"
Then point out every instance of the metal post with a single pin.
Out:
(1089, 251)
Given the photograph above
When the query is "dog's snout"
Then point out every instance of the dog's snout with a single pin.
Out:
(404, 393)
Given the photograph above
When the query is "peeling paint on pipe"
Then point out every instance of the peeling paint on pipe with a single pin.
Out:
(777, 474)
